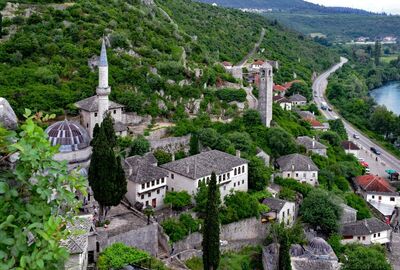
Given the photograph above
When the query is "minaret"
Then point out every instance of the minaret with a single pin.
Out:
(103, 90)
(266, 94)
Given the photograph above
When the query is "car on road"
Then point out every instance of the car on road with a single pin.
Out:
(361, 159)
(367, 171)
(375, 151)
(329, 109)
(356, 136)
(364, 164)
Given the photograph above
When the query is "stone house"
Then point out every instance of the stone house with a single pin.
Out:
(298, 167)
(298, 100)
(351, 148)
(283, 102)
(367, 232)
(81, 243)
(188, 173)
(312, 145)
(378, 192)
(147, 183)
(280, 210)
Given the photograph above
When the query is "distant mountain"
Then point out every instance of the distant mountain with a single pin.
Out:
(284, 5)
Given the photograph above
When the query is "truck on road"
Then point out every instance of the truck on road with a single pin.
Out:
(324, 106)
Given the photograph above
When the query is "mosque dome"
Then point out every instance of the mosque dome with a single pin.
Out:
(69, 135)
(319, 246)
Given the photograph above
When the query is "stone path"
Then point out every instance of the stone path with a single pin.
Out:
(394, 255)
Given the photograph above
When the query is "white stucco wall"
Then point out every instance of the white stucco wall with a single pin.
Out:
(375, 238)
(236, 182)
(151, 191)
(390, 200)
(353, 152)
(287, 214)
(310, 177)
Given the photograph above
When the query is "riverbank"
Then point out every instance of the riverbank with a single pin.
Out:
(388, 95)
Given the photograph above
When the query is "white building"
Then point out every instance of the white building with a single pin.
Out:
(312, 145)
(187, 174)
(378, 192)
(367, 232)
(93, 109)
(147, 183)
(298, 167)
(298, 100)
(283, 102)
(351, 148)
(81, 243)
(266, 94)
(280, 210)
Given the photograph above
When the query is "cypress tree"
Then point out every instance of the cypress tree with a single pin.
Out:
(108, 127)
(211, 230)
(106, 177)
(377, 52)
(194, 145)
(96, 130)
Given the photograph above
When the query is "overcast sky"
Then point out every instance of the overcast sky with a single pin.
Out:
(388, 6)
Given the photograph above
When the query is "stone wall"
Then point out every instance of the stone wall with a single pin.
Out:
(134, 119)
(171, 144)
(270, 257)
(145, 238)
(237, 234)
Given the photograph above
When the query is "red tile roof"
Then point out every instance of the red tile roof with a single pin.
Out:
(349, 145)
(279, 88)
(290, 84)
(258, 62)
(313, 122)
(374, 183)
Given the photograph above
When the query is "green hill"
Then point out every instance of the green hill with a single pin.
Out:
(44, 64)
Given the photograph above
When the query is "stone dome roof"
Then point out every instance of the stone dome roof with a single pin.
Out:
(319, 246)
(69, 135)
(296, 250)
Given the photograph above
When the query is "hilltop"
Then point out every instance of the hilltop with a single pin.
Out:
(48, 54)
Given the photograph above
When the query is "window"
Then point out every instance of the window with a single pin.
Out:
(219, 178)
(87, 125)
(380, 198)
(374, 235)
(228, 176)
(297, 175)
(243, 169)
(142, 197)
(363, 237)
(158, 191)
(149, 194)
(148, 184)
(199, 183)
(143, 186)
(392, 199)
(95, 114)
(373, 196)
(172, 189)
(235, 172)
(115, 111)
(242, 181)
(147, 203)
(97, 247)
(234, 184)
(158, 181)
(358, 237)
(152, 183)
(239, 170)
(238, 183)
(313, 174)
(288, 175)
(224, 177)
(283, 215)
(162, 180)
(379, 234)
(172, 176)
(288, 211)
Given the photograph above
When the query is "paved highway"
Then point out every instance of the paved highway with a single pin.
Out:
(378, 164)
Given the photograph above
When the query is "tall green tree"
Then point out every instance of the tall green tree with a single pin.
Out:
(96, 130)
(108, 127)
(36, 201)
(377, 53)
(211, 253)
(106, 177)
(359, 257)
(140, 146)
(1, 25)
(194, 144)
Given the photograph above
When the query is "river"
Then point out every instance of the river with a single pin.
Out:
(388, 95)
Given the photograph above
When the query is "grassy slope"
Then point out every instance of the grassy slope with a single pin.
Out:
(44, 66)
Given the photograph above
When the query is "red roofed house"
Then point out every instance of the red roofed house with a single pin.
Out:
(350, 148)
(315, 124)
(378, 192)
(279, 90)
(257, 64)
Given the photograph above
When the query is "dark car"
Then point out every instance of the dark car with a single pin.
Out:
(375, 151)
(329, 109)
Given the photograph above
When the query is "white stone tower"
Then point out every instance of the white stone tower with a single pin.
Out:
(103, 90)
(265, 95)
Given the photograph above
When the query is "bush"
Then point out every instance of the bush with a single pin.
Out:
(118, 255)
(177, 229)
(358, 203)
(162, 156)
(292, 184)
(259, 174)
(230, 95)
(178, 200)
(140, 146)
(238, 206)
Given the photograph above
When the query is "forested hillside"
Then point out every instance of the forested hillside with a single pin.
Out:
(44, 53)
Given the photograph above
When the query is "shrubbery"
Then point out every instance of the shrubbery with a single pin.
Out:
(229, 95)
(177, 229)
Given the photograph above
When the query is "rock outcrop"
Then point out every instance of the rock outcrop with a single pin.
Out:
(8, 119)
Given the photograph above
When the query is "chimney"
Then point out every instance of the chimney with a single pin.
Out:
(238, 153)
(313, 142)
(292, 167)
(187, 168)
(309, 167)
